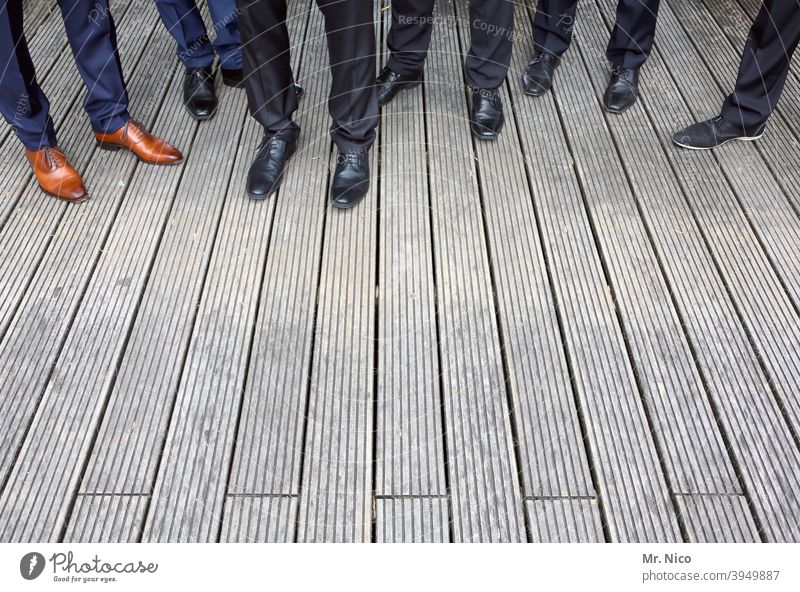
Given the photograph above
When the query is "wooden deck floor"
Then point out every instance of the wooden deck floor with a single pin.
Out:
(577, 333)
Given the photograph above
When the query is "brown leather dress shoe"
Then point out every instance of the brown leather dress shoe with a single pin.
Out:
(55, 175)
(148, 148)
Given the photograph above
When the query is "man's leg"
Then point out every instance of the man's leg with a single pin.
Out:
(634, 30)
(271, 96)
(93, 39)
(553, 25)
(22, 102)
(491, 31)
(227, 43)
(764, 66)
(184, 22)
(410, 35)
(352, 102)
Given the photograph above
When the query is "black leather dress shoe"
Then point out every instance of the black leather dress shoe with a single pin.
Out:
(350, 180)
(199, 95)
(538, 76)
(622, 90)
(232, 78)
(389, 83)
(486, 118)
(712, 133)
(266, 172)
(298, 88)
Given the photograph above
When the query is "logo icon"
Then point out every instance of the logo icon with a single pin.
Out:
(31, 565)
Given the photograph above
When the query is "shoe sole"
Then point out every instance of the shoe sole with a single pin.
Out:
(116, 147)
(350, 205)
(199, 118)
(533, 94)
(742, 139)
(405, 86)
(620, 111)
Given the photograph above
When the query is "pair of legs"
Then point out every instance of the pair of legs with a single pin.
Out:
(196, 50)
(491, 26)
(272, 95)
(93, 40)
(628, 48)
(765, 64)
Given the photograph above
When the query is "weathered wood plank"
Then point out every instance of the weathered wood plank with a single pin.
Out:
(565, 521)
(758, 437)
(259, 519)
(410, 447)
(551, 448)
(717, 519)
(106, 519)
(631, 486)
(37, 334)
(411, 520)
(486, 498)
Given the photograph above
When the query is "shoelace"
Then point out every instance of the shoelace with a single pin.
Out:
(490, 95)
(55, 158)
(266, 146)
(621, 73)
(356, 158)
(136, 127)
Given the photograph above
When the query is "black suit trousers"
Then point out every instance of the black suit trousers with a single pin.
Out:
(350, 31)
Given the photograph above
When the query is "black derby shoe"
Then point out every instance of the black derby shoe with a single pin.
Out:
(233, 78)
(350, 180)
(299, 90)
(389, 83)
(486, 118)
(623, 88)
(538, 76)
(266, 172)
(199, 95)
(712, 133)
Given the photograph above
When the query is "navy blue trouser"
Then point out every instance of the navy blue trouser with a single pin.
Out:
(765, 64)
(631, 40)
(92, 37)
(195, 48)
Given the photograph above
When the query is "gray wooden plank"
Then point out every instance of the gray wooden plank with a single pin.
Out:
(189, 494)
(39, 329)
(631, 486)
(259, 519)
(551, 447)
(56, 73)
(717, 519)
(764, 185)
(411, 520)
(270, 438)
(36, 13)
(758, 437)
(484, 481)
(409, 447)
(106, 519)
(565, 520)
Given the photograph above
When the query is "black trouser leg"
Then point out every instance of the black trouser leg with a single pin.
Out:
(491, 31)
(765, 65)
(553, 25)
(271, 97)
(634, 30)
(353, 102)
(410, 35)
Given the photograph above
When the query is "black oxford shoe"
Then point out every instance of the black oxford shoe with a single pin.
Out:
(712, 133)
(298, 88)
(199, 95)
(350, 180)
(538, 76)
(389, 83)
(623, 88)
(486, 119)
(266, 172)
